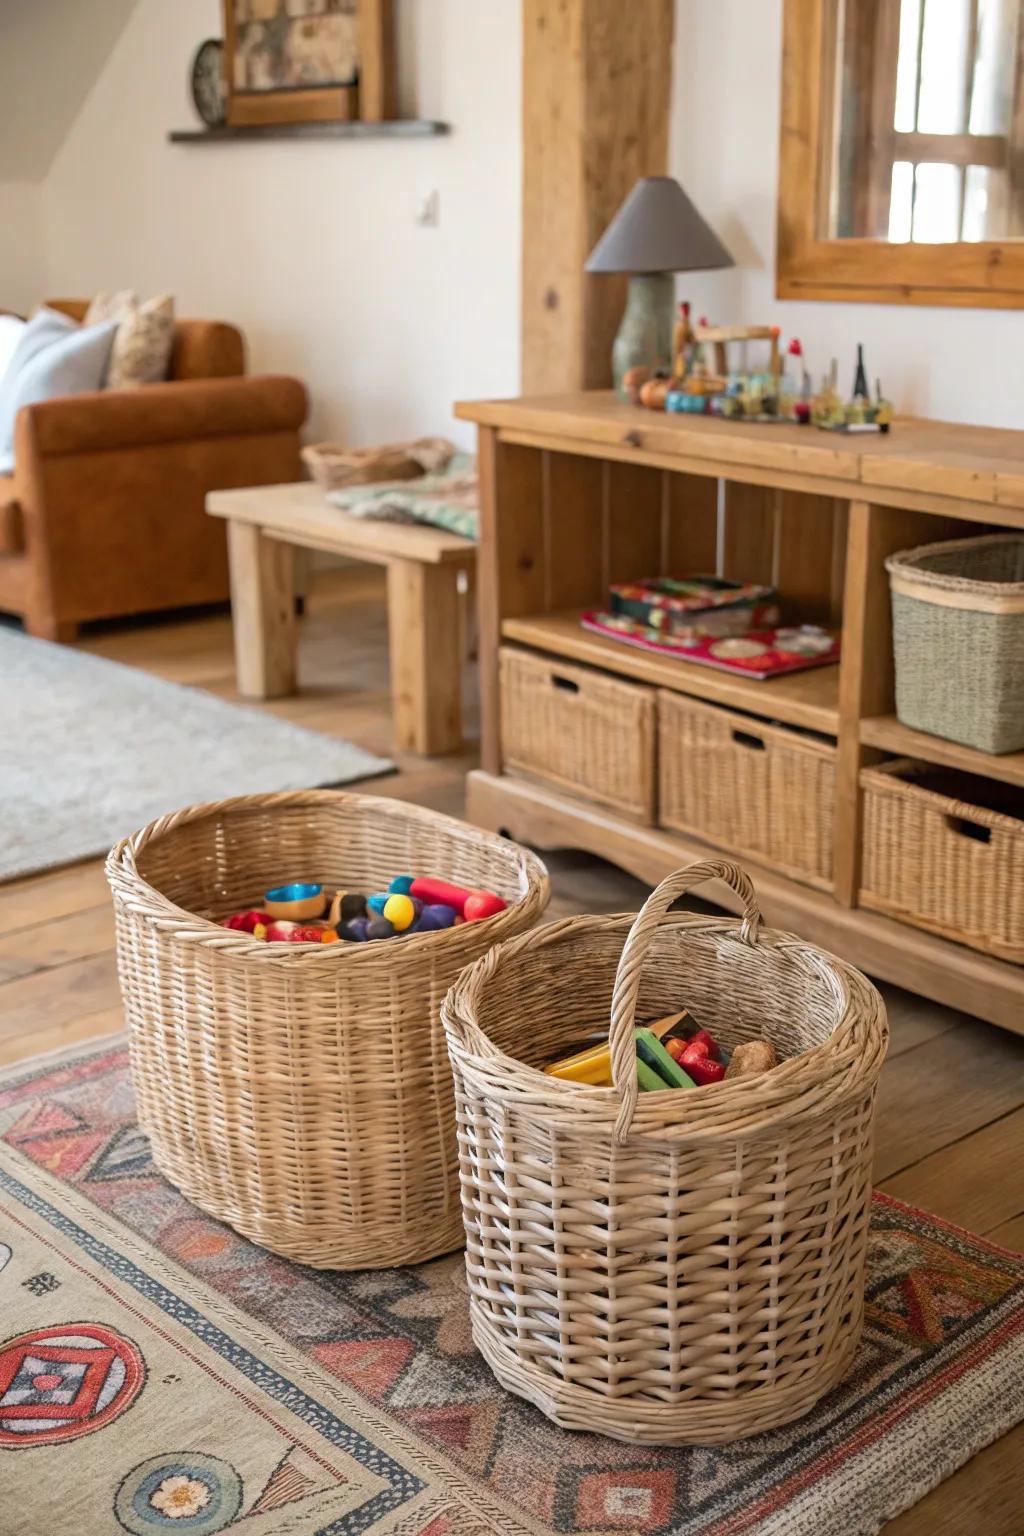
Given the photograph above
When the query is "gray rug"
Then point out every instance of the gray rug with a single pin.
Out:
(91, 750)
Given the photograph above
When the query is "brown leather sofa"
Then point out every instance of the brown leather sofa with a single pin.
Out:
(103, 515)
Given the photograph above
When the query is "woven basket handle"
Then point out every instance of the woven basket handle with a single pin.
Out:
(634, 953)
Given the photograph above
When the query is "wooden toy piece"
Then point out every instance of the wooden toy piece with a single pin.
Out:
(431, 891)
(252, 922)
(654, 393)
(593, 1066)
(697, 1060)
(400, 912)
(650, 1051)
(633, 380)
(434, 916)
(401, 885)
(345, 905)
(472, 905)
(378, 902)
(355, 931)
(285, 931)
(752, 1058)
(296, 902)
(380, 928)
(481, 904)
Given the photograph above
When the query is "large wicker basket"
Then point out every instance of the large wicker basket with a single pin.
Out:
(958, 639)
(675, 1267)
(301, 1092)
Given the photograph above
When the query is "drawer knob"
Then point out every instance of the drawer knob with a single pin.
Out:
(632, 439)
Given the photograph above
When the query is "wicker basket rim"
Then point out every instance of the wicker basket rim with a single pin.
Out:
(909, 564)
(890, 777)
(842, 1062)
(133, 891)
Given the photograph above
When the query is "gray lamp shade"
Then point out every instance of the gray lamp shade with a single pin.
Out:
(658, 229)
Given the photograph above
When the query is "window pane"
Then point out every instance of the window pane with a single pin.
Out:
(906, 66)
(992, 94)
(944, 54)
(901, 208)
(936, 203)
(986, 203)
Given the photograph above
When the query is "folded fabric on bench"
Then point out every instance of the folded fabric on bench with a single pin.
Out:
(447, 500)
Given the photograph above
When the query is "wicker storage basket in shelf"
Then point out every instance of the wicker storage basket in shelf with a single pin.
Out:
(683, 1266)
(945, 851)
(958, 639)
(763, 791)
(579, 729)
(302, 1092)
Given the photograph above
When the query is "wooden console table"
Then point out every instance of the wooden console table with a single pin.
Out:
(265, 526)
(578, 491)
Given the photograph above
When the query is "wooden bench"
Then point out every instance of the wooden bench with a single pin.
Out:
(266, 524)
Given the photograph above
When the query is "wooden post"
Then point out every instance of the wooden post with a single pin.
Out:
(596, 87)
(262, 612)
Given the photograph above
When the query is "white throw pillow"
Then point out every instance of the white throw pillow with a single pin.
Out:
(11, 328)
(52, 359)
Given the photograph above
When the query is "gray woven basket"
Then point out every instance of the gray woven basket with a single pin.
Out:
(958, 640)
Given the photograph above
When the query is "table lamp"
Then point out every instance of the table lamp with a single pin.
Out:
(656, 232)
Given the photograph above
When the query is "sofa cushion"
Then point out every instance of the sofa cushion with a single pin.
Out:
(12, 538)
(54, 358)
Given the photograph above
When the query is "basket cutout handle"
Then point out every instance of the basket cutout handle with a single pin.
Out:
(748, 739)
(631, 963)
(567, 684)
(964, 827)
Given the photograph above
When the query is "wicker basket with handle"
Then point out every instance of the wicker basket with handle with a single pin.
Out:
(301, 1092)
(675, 1267)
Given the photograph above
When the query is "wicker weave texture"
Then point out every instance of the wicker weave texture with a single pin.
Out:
(675, 1267)
(579, 729)
(958, 640)
(921, 863)
(761, 791)
(302, 1093)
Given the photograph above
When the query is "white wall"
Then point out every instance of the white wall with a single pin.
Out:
(952, 364)
(312, 248)
(21, 244)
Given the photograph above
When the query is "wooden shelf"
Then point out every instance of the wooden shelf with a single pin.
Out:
(885, 731)
(896, 952)
(397, 128)
(808, 699)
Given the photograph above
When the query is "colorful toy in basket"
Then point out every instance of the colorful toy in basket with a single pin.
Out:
(688, 606)
(302, 912)
(760, 653)
(673, 1052)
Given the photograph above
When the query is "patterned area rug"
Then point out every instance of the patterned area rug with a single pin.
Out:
(91, 750)
(157, 1372)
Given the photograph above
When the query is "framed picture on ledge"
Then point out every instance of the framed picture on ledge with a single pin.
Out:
(303, 61)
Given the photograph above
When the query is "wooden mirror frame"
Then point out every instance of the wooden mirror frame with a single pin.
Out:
(984, 274)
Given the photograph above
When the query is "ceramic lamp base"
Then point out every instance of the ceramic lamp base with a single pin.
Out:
(645, 335)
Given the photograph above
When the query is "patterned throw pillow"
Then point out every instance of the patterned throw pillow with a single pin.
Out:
(109, 306)
(142, 346)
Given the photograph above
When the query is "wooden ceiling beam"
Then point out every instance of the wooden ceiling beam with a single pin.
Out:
(597, 80)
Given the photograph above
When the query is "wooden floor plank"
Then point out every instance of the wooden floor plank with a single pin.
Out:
(977, 1182)
(47, 944)
(943, 1090)
(1010, 1234)
(38, 898)
(46, 998)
